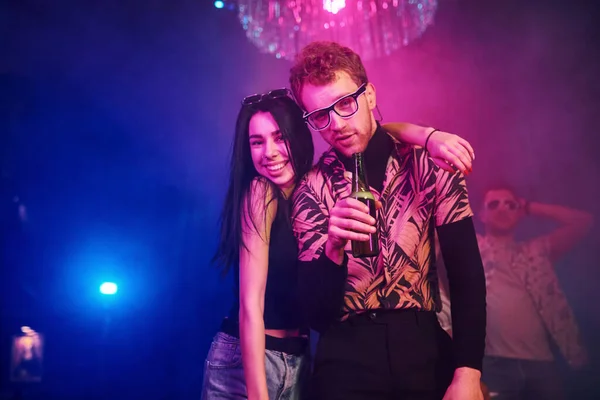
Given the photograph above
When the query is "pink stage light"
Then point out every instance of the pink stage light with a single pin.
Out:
(333, 6)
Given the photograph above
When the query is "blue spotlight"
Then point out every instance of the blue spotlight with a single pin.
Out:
(219, 4)
(108, 288)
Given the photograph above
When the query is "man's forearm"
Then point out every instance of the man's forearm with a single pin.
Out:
(335, 255)
(561, 214)
(408, 133)
(458, 243)
(321, 285)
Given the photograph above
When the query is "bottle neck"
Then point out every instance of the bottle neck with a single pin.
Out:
(359, 178)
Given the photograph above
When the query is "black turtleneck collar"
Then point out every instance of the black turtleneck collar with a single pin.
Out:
(376, 157)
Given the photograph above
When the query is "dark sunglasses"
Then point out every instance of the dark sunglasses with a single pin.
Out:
(510, 204)
(273, 94)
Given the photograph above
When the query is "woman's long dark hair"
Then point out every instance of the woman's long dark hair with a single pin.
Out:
(298, 138)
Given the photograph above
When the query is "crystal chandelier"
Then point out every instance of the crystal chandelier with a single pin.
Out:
(373, 28)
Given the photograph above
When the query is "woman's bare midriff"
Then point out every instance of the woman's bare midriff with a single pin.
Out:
(283, 333)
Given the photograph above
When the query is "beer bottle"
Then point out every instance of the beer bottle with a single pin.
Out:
(361, 192)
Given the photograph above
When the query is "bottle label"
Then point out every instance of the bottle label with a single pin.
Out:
(369, 248)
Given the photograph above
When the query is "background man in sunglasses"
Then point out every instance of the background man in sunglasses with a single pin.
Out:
(525, 306)
(380, 338)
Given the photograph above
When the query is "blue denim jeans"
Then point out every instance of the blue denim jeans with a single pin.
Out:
(287, 374)
(514, 379)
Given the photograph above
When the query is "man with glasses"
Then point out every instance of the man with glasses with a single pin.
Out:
(379, 335)
(526, 307)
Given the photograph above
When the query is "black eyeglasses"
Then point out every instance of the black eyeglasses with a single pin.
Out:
(345, 107)
(273, 94)
(510, 204)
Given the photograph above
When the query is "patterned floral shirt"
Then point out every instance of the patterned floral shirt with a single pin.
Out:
(416, 196)
(530, 262)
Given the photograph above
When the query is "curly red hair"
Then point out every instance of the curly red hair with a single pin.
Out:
(318, 62)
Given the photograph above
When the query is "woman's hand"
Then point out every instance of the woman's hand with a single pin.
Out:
(451, 152)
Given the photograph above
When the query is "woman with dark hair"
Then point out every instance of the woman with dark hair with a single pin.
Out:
(261, 350)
